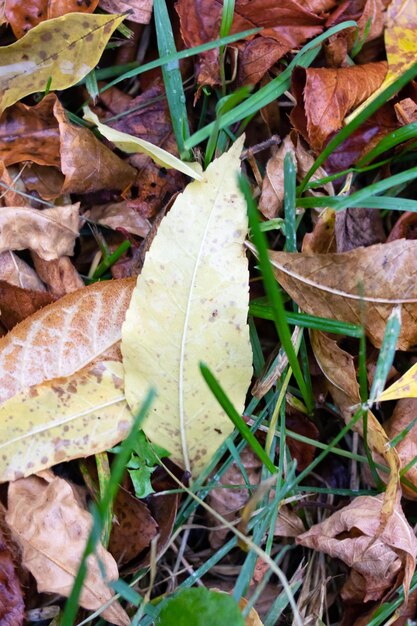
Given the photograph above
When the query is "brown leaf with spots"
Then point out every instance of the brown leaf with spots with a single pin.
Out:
(22, 16)
(64, 337)
(12, 607)
(52, 529)
(285, 26)
(379, 561)
(16, 304)
(140, 11)
(328, 285)
(42, 134)
(325, 96)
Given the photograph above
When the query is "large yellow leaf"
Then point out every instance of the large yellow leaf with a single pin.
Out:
(130, 144)
(64, 49)
(405, 387)
(400, 45)
(63, 419)
(190, 305)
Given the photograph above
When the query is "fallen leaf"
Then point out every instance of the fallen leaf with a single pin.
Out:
(322, 238)
(406, 111)
(325, 95)
(358, 227)
(403, 415)
(140, 11)
(64, 337)
(9, 195)
(63, 419)
(24, 17)
(119, 215)
(177, 296)
(49, 232)
(52, 529)
(59, 275)
(16, 304)
(285, 26)
(328, 285)
(66, 48)
(288, 523)
(16, 272)
(252, 619)
(12, 606)
(405, 227)
(379, 562)
(131, 144)
(405, 387)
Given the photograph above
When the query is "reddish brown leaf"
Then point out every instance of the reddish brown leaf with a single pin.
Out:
(25, 15)
(17, 304)
(285, 26)
(325, 96)
(405, 227)
(406, 111)
(119, 215)
(12, 608)
(379, 562)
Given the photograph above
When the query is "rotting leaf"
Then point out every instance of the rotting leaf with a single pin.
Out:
(24, 16)
(65, 48)
(201, 309)
(12, 606)
(325, 95)
(379, 561)
(328, 285)
(64, 337)
(140, 11)
(131, 144)
(52, 529)
(49, 232)
(63, 419)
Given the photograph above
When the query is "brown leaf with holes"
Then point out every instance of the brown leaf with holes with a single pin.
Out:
(22, 16)
(285, 26)
(16, 304)
(12, 607)
(140, 11)
(328, 285)
(379, 561)
(51, 528)
(64, 337)
(325, 96)
(42, 134)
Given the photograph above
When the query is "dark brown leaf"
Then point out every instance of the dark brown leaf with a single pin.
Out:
(358, 227)
(12, 607)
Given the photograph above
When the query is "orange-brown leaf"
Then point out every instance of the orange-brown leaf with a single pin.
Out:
(16, 304)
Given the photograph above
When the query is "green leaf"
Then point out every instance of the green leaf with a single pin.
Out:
(141, 479)
(199, 607)
(66, 48)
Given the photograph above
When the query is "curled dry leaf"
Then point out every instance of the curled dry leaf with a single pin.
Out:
(12, 607)
(59, 275)
(23, 17)
(64, 337)
(66, 48)
(119, 215)
(201, 309)
(325, 96)
(62, 419)
(327, 285)
(16, 272)
(379, 561)
(285, 26)
(403, 415)
(51, 233)
(16, 304)
(52, 529)
(139, 11)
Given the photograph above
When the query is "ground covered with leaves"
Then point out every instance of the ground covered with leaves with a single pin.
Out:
(208, 312)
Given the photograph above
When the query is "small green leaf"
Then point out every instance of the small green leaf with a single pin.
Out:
(141, 479)
(199, 607)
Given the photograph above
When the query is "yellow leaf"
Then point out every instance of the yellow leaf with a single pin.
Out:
(405, 387)
(190, 304)
(63, 419)
(130, 144)
(400, 46)
(64, 49)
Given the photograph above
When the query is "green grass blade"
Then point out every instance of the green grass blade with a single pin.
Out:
(390, 141)
(227, 17)
(386, 354)
(172, 77)
(289, 204)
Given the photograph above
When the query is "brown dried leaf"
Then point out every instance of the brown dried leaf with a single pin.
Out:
(24, 16)
(16, 272)
(380, 561)
(52, 529)
(49, 232)
(140, 11)
(63, 337)
(59, 275)
(285, 26)
(119, 215)
(358, 227)
(16, 304)
(404, 412)
(406, 111)
(327, 285)
(9, 197)
(12, 607)
(325, 95)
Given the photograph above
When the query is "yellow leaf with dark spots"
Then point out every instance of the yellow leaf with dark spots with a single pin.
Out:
(64, 49)
(63, 419)
(405, 387)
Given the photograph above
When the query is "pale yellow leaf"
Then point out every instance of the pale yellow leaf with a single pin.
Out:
(64, 49)
(190, 305)
(63, 419)
(51, 233)
(52, 529)
(130, 144)
(405, 387)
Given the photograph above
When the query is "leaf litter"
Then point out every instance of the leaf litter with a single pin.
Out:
(84, 201)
